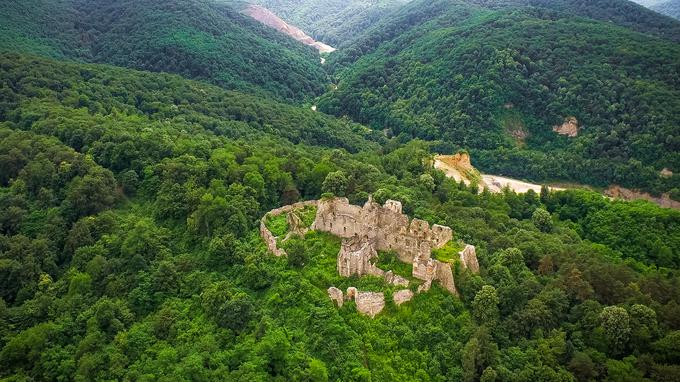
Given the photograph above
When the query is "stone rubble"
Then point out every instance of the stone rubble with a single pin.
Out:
(336, 295)
(402, 296)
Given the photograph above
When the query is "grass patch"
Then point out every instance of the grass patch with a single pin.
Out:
(307, 214)
(278, 225)
(389, 261)
(449, 252)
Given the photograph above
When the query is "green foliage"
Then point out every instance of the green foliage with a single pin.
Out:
(615, 322)
(278, 225)
(336, 22)
(129, 244)
(335, 183)
(542, 220)
(389, 261)
(449, 71)
(206, 40)
(485, 305)
(449, 252)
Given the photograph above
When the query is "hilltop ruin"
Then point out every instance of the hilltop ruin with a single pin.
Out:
(371, 228)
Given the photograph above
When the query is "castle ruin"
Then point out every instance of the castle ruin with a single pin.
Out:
(371, 228)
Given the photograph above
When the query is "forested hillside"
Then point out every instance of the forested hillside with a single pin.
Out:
(497, 80)
(129, 249)
(204, 40)
(335, 22)
(142, 144)
(621, 12)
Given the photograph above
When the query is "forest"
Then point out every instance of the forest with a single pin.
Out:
(495, 82)
(109, 272)
(141, 143)
(203, 40)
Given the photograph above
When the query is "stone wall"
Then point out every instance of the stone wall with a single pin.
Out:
(356, 258)
(386, 226)
(269, 239)
(374, 227)
(468, 258)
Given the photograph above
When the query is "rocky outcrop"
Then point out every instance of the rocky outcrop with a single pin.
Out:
(268, 18)
(618, 192)
(401, 296)
(569, 127)
(457, 166)
(468, 258)
(336, 295)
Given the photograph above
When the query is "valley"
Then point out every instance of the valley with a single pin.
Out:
(268, 18)
(284, 190)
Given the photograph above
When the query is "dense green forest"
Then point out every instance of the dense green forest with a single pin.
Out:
(622, 13)
(206, 40)
(335, 22)
(110, 178)
(497, 81)
(141, 142)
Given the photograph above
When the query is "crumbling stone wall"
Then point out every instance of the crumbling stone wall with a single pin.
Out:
(374, 227)
(368, 303)
(370, 228)
(269, 239)
(386, 226)
(356, 258)
(468, 258)
(401, 296)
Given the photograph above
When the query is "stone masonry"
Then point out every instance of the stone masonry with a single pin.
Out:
(373, 227)
(269, 239)
(366, 230)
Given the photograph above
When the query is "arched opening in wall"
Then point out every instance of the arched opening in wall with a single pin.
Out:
(331, 223)
(344, 229)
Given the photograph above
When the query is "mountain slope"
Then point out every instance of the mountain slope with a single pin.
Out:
(670, 8)
(621, 12)
(499, 80)
(267, 17)
(104, 90)
(335, 22)
(204, 40)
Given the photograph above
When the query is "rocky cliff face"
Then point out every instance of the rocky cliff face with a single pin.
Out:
(569, 127)
(269, 19)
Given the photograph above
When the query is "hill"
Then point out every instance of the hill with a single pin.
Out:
(129, 248)
(335, 22)
(670, 8)
(204, 40)
(504, 81)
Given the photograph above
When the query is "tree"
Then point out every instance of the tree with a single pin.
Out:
(615, 322)
(335, 183)
(485, 305)
(297, 253)
(479, 353)
(542, 220)
(227, 307)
